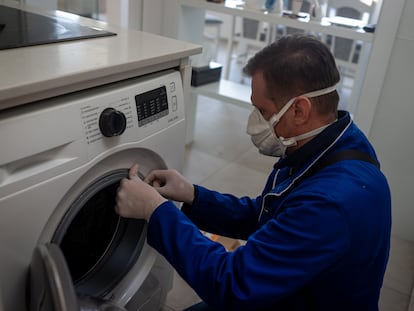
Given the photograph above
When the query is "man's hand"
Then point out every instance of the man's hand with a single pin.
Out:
(135, 198)
(171, 185)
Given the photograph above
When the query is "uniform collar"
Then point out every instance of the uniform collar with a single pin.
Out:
(315, 146)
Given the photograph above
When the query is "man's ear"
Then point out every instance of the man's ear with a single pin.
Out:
(302, 109)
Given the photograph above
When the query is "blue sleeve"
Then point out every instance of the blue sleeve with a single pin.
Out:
(224, 214)
(278, 260)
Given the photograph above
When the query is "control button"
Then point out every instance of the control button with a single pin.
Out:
(174, 103)
(112, 122)
(172, 86)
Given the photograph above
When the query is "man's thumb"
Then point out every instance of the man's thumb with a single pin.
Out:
(133, 171)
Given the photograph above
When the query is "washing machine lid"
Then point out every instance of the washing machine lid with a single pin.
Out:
(51, 286)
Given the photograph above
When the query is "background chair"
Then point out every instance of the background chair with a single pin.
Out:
(280, 30)
(212, 32)
(249, 37)
(253, 36)
(347, 52)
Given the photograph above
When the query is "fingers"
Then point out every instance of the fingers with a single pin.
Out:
(149, 179)
(135, 198)
(155, 178)
(120, 206)
(156, 184)
(133, 171)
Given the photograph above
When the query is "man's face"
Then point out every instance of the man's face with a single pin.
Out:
(260, 97)
(265, 103)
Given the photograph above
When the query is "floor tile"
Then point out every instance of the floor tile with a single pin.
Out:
(181, 296)
(220, 129)
(411, 306)
(256, 161)
(200, 165)
(392, 300)
(237, 180)
(400, 269)
(167, 308)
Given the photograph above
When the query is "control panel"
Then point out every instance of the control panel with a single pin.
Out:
(65, 132)
(130, 110)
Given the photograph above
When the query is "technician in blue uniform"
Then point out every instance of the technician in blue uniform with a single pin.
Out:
(318, 236)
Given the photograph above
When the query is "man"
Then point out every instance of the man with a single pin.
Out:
(317, 237)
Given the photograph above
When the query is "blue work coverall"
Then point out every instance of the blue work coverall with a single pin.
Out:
(322, 244)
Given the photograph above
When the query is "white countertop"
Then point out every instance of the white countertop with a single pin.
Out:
(32, 73)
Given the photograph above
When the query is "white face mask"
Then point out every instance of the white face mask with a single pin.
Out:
(262, 132)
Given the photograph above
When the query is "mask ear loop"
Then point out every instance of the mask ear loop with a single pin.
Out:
(320, 92)
(276, 117)
(288, 142)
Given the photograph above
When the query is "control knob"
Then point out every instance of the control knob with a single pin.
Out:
(112, 122)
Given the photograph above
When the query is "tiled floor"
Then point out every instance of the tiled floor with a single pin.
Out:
(223, 158)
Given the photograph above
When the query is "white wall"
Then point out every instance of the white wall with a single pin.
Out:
(80, 7)
(124, 13)
(393, 126)
(143, 15)
(43, 4)
(152, 16)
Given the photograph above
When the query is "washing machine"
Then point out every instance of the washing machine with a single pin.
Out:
(62, 246)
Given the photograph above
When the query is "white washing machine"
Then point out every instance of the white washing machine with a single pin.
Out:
(62, 246)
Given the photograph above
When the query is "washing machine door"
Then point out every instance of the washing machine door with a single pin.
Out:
(51, 286)
(107, 255)
(99, 246)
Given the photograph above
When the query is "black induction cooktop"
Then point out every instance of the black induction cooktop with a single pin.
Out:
(19, 29)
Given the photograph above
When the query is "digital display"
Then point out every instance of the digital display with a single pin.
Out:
(151, 105)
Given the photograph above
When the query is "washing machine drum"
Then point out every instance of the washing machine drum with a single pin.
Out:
(92, 249)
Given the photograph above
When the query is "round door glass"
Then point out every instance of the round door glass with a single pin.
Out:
(100, 247)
